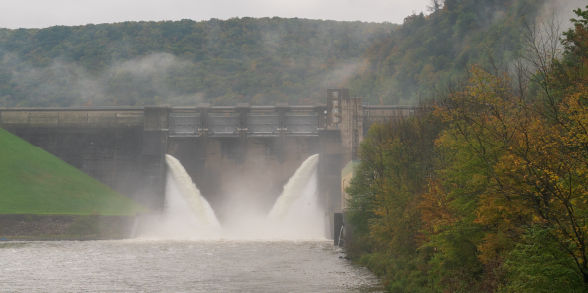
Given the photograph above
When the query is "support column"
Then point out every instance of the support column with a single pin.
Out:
(203, 109)
(334, 99)
(351, 126)
(331, 157)
(321, 112)
(243, 109)
(202, 141)
(282, 109)
(154, 148)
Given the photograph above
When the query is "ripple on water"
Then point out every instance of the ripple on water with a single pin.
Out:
(179, 266)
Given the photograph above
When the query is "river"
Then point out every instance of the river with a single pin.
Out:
(179, 266)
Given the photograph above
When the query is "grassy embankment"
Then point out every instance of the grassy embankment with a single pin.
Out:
(34, 182)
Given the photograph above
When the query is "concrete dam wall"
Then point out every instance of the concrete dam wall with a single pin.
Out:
(242, 151)
(125, 147)
(111, 145)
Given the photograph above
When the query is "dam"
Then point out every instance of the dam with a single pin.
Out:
(247, 152)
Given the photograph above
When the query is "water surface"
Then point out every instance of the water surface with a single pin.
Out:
(179, 266)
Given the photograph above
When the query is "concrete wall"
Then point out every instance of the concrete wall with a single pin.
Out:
(241, 154)
(351, 126)
(125, 147)
(72, 117)
(332, 158)
(111, 145)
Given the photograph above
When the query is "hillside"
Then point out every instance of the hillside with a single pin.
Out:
(429, 54)
(261, 61)
(486, 189)
(35, 182)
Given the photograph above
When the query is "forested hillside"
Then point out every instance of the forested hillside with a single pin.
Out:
(429, 54)
(486, 189)
(261, 61)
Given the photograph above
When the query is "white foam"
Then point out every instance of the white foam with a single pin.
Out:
(187, 214)
(296, 214)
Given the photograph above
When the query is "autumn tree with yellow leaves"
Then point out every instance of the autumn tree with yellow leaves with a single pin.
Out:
(502, 203)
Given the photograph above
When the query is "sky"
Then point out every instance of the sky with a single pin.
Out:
(45, 13)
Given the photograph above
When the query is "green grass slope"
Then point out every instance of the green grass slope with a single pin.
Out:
(32, 181)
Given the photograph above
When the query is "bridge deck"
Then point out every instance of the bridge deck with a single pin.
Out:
(215, 121)
(250, 121)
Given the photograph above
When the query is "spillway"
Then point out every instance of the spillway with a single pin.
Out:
(297, 211)
(296, 214)
(187, 214)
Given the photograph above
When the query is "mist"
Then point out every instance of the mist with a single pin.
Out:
(139, 81)
(560, 11)
(259, 61)
(294, 215)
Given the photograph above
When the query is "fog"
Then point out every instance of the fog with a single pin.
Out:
(160, 77)
(68, 83)
(561, 11)
(304, 58)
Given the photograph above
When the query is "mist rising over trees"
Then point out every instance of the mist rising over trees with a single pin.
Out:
(261, 61)
(430, 53)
